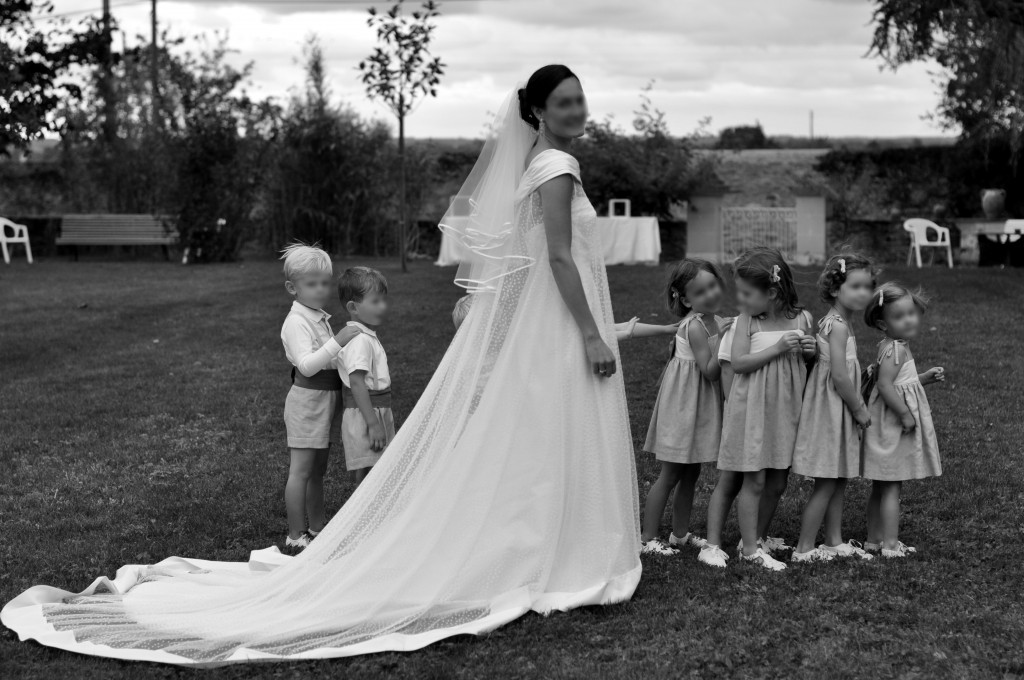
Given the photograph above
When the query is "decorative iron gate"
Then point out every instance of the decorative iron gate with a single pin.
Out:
(744, 228)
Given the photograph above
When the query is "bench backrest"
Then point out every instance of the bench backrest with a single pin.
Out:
(116, 229)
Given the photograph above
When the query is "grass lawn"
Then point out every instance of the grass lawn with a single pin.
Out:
(140, 417)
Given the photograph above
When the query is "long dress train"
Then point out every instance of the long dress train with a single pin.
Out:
(511, 487)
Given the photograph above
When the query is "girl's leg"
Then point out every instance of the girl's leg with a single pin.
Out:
(834, 515)
(814, 512)
(725, 493)
(889, 514)
(299, 472)
(874, 533)
(775, 482)
(359, 475)
(682, 504)
(315, 492)
(747, 506)
(657, 499)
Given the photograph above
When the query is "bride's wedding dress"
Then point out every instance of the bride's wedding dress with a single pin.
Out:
(511, 487)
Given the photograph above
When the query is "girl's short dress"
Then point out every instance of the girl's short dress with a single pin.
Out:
(889, 455)
(687, 423)
(828, 439)
(763, 409)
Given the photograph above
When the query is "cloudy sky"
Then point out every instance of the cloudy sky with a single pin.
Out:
(736, 61)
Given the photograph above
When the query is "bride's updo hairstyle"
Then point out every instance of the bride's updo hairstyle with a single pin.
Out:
(540, 85)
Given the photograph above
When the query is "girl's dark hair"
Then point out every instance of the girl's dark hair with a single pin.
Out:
(682, 273)
(837, 269)
(758, 266)
(888, 293)
(538, 88)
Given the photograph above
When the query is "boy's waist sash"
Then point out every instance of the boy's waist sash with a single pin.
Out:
(378, 398)
(328, 380)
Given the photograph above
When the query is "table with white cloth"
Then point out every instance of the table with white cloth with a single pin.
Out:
(626, 240)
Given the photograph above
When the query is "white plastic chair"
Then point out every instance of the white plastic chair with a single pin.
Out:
(20, 232)
(918, 228)
(627, 207)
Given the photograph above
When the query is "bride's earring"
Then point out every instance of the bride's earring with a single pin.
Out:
(541, 128)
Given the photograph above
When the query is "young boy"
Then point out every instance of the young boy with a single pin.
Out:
(312, 408)
(367, 424)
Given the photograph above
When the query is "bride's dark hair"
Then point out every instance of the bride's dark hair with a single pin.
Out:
(540, 85)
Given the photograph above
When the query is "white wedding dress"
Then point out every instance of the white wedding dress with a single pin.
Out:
(510, 488)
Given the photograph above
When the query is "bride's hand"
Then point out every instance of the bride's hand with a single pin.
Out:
(601, 358)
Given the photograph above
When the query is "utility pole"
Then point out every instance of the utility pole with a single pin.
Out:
(109, 110)
(812, 125)
(154, 71)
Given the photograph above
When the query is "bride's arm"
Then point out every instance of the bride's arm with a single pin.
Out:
(556, 201)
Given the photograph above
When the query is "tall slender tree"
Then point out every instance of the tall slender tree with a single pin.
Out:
(400, 71)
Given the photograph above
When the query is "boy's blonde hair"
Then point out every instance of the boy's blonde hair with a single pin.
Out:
(461, 310)
(300, 259)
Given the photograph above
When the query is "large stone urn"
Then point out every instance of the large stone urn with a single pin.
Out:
(993, 203)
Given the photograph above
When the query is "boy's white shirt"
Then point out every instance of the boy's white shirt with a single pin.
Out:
(310, 353)
(365, 353)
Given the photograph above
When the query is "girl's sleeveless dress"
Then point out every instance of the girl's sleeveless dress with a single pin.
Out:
(888, 454)
(828, 439)
(687, 423)
(763, 409)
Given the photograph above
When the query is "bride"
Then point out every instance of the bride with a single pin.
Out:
(510, 488)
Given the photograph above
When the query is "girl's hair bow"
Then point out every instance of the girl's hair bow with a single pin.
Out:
(775, 273)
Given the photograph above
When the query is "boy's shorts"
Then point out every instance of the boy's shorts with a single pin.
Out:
(312, 418)
(355, 434)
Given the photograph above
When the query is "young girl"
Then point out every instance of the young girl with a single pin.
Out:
(687, 422)
(769, 355)
(900, 444)
(834, 413)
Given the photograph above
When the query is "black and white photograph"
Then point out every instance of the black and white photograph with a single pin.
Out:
(511, 339)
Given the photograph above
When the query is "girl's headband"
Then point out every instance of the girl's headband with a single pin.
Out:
(881, 296)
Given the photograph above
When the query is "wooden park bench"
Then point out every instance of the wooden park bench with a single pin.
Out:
(117, 230)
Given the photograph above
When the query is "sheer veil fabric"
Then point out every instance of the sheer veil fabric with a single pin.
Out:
(511, 486)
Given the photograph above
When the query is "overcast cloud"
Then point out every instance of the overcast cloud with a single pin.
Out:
(734, 60)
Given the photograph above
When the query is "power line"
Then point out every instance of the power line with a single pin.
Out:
(57, 15)
(128, 3)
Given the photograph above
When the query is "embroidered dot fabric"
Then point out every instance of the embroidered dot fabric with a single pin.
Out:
(510, 487)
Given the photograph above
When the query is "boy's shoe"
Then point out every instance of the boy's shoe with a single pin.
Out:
(296, 544)
(849, 549)
(688, 539)
(712, 555)
(813, 555)
(656, 546)
(763, 559)
(771, 545)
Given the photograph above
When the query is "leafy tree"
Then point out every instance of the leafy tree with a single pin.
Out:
(33, 70)
(652, 169)
(744, 137)
(400, 70)
(333, 170)
(980, 46)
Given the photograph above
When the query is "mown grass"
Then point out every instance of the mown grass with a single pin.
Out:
(140, 417)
